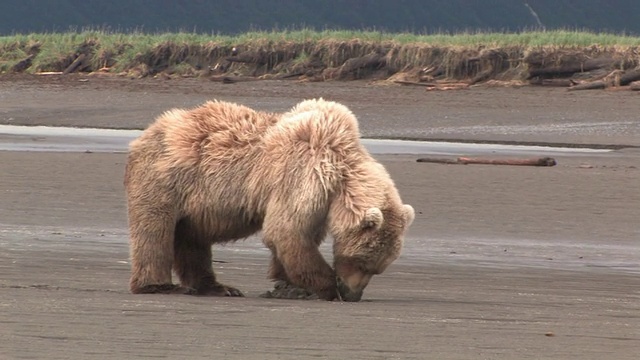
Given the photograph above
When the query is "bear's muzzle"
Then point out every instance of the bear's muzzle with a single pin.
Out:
(352, 287)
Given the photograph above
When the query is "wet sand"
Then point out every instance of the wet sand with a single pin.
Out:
(501, 263)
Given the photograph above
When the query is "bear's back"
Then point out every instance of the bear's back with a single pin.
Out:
(215, 130)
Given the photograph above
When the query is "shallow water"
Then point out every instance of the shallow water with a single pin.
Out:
(67, 139)
(477, 251)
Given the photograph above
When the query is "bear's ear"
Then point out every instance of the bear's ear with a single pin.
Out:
(372, 219)
(409, 214)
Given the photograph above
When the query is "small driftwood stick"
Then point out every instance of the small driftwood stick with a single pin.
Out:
(291, 75)
(543, 161)
(594, 85)
(449, 86)
(414, 83)
(231, 79)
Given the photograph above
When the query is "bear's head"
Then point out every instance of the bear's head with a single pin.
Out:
(370, 248)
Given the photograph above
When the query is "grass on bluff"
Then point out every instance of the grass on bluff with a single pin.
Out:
(123, 51)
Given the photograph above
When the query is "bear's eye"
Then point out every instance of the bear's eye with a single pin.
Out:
(364, 267)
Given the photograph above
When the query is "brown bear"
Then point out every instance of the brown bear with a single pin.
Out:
(222, 171)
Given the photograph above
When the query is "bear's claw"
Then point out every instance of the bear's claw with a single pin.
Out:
(220, 290)
(233, 292)
(284, 290)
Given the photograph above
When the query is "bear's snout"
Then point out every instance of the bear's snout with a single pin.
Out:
(347, 294)
(351, 285)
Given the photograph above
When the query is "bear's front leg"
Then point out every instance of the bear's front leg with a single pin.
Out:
(305, 267)
(283, 289)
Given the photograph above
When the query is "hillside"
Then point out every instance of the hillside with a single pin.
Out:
(236, 16)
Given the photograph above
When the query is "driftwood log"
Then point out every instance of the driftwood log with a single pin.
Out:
(449, 86)
(553, 82)
(78, 64)
(437, 85)
(635, 86)
(615, 78)
(415, 83)
(290, 75)
(593, 85)
(568, 70)
(542, 161)
(23, 64)
(629, 76)
(439, 160)
(251, 57)
(231, 79)
(481, 76)
(352, 66)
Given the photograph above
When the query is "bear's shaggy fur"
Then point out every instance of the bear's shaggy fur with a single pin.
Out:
(222, 171)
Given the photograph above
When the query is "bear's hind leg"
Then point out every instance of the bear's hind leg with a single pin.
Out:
(192, 264)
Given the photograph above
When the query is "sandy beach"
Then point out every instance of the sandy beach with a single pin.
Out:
(502, 262)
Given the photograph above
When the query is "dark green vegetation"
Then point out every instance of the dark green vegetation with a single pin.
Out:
(238, 16)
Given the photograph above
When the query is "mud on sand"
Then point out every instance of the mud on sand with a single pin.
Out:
(501, 263)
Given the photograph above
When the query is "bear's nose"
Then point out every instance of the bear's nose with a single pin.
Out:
(348, 294)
